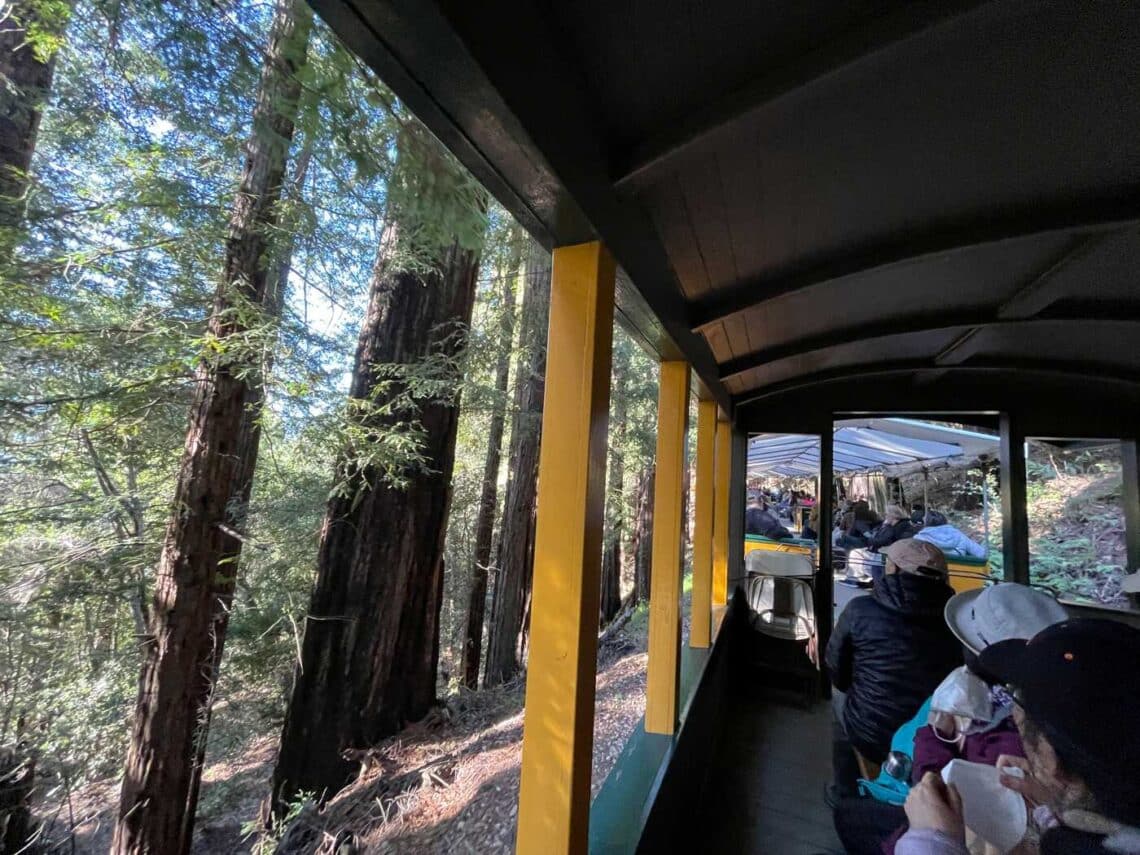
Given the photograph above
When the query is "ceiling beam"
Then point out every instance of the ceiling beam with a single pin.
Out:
(969, 323)
(654, 157)
(1108, 374)
(1086, 218)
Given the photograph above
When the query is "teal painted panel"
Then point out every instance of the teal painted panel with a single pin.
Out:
(621, 808)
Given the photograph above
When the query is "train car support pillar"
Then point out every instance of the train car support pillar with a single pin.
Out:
(554, 797)
(1014, 511)
(661, 701)
(721, 512)
(700, 634)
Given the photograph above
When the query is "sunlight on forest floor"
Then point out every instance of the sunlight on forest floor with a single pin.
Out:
(449, 783)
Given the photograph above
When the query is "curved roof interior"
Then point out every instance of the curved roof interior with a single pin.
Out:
(822, 206)
(890, 446)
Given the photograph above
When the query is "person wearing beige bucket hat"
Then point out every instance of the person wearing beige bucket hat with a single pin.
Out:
(985, 616)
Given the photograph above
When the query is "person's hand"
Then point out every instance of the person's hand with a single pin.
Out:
(931, 804)
(813, 650)
(1031, 789)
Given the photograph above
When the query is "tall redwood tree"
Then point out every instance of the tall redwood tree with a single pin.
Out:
(488, 497)
(516, 541)
(371, 639)
(28, 44)
(202, 545)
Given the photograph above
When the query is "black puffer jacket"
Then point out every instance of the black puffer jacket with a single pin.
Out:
(889, 652)
(885, 534)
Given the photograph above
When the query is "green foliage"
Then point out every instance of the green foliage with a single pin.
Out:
(104, 302)
(1076, 524)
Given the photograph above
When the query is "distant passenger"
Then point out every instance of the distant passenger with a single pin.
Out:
(947, 538)
(811, 530)
(858, 523)
(886, 656)
(896, 526)
(759, 520)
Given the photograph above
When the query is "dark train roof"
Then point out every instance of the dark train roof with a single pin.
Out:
(823, 206)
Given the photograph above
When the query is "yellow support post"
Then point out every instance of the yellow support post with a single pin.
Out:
(700, 634)
(665, 602)
(554, 796)
(720, 513)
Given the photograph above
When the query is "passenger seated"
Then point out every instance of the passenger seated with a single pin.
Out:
(896, 526)
(888, 652)
(759, 520)
(977, 618)
(811, 530)
(858, 523)
(946, 537)
(1076, 708)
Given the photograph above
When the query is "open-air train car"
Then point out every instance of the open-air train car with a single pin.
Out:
(807, 211)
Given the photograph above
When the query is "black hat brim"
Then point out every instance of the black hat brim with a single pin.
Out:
(1008, 662)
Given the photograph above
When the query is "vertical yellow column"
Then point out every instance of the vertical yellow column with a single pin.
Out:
(720, 513)
(700, 623)
(665, 602)
(554, 797)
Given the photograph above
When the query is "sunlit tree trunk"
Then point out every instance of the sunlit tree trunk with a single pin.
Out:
(610, 600)
(488, 498)
(202, 545)
(27, 65)
(371, 639)
(516, 541)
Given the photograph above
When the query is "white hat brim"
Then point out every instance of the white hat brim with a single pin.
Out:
(959, 617)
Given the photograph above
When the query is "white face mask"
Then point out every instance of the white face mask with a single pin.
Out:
(965, 696)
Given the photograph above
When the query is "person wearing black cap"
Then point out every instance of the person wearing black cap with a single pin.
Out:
(1077, 691)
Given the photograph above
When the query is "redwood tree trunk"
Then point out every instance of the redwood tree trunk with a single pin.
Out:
(516, 542)
(643, 537)
(610, 601)
(197, 569)
(27, 77)
(371, 640)
(488, 499)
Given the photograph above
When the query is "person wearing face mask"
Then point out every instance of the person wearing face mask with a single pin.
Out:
(970, 718)
(1076, 709)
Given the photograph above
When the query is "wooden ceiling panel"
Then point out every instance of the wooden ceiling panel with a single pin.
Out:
(703, 189)
(874, 352)
(718, 342)
(978, 280)
(670, 216)
(738, 339)
(1099, 343)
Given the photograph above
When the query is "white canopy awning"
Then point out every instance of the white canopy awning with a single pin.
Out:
(891, 446)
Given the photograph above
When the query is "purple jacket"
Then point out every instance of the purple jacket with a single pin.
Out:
(931, 754)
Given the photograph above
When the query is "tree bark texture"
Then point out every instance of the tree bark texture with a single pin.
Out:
(610, 601)
(642, 541)
(17, 785)
(371, 640)
(198, 566)
(25, 83)
(488, 498)
(516, 541)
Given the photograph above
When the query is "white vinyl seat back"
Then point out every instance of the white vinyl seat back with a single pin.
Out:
(787, 564)
(782, 607)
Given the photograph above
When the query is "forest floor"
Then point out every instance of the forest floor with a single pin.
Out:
(449, 783)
